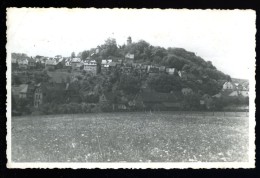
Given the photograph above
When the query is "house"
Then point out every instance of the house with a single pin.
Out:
(187, 91)
(162, 69)
(112, 65)
(67, 63)
(108, 98)
(170, 71)
(245, 86)
(206, 101)
(23, 63)
(228, 86)
(20, 91)
(76, 63)
(14, 62)
(90, 66)
(129, 57)
(23, 91)
(244, 93)
(41, 60)
(60, 61)
(38, 96)
(31, 63)
(44, 92)
(50, 63)
(234, 93)
(153, 69)
(127, 67)
(105, 65)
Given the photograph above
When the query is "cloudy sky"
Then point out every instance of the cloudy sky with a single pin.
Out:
(227, 38)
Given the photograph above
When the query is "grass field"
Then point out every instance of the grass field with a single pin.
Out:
(131, 137)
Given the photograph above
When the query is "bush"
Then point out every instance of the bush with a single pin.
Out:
(106, 107)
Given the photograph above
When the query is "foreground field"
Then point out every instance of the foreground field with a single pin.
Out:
(131, 137)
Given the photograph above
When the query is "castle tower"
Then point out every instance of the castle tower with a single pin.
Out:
(129, 40)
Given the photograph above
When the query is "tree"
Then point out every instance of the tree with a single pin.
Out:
(41, 77)
(175, 62)
(73, 55)
(109, 48)
(164, 83)
(84, 55)
(129, 84)
(191, 102)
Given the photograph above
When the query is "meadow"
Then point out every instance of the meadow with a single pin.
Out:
(130, 137)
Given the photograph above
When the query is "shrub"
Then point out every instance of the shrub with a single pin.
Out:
(106, 107)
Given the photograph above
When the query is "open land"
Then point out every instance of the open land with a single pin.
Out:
(130, 137)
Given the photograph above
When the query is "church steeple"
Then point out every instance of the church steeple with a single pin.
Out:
(129, 40)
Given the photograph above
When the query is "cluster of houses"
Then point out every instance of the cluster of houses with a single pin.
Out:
(234, 89)
(91, 66)
(229, 89)
(58, 62)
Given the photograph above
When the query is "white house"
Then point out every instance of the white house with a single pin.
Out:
(129, 56)
(170, 71)
(244, 93)
(228, 86)
(105, 64)
(76, 63)
(90, 66)
(23, 64)
(234, 93)
(50, 63)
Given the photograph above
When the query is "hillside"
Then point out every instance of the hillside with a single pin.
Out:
(196, 73)
(133, 71)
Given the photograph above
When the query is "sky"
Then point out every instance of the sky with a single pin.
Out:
(227, 38)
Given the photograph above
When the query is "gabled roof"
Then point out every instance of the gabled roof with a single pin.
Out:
(112, 64)
(24, 88)
(106, 61)
(50, 62)
(162, 68)
(75, 60)
(18, 89)
(23, 61)
(130, 56)
(90, 62)
(231, 83)
(170, 69)
(31, 60)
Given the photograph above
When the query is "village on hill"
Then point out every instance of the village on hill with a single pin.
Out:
(132, 77)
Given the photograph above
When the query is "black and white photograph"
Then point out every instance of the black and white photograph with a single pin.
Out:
(130, 88)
